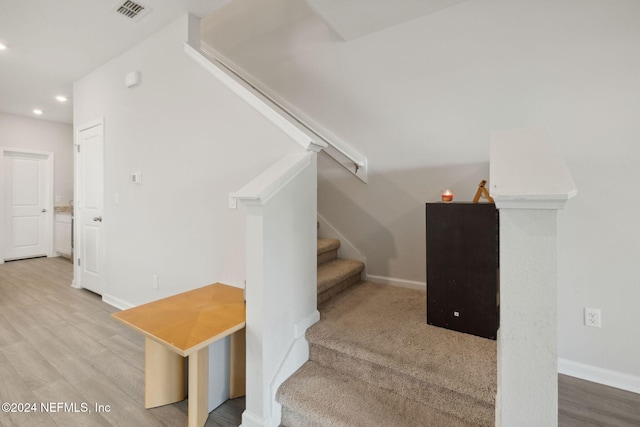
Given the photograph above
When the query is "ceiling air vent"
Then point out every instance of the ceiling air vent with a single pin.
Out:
(132, 10)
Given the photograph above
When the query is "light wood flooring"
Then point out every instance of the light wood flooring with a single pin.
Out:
(59, 344)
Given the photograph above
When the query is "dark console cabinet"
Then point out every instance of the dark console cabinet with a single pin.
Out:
(463, 267)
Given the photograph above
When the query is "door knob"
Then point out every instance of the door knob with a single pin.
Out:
(97, 218)
(44, 210)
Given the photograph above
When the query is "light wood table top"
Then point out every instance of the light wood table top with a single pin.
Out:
(191, 320)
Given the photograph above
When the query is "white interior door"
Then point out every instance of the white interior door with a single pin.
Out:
(27, 186)
(89, 209)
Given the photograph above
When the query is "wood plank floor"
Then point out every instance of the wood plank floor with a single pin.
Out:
(585, 404)
(59, 344)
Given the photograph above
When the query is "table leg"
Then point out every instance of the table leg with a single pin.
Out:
(199, 387)
(238, 363)
(163, 375)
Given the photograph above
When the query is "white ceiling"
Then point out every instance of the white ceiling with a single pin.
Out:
(52, 43)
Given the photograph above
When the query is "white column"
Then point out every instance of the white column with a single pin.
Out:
(529, 183)
(527, 338)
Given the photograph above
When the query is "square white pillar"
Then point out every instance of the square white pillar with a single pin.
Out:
(527, 338)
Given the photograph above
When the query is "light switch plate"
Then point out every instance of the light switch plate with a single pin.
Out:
(136, 178)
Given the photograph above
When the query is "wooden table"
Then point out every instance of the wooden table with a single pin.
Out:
(184, 325)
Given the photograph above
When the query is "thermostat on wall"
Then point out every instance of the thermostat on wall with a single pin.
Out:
(136, 178)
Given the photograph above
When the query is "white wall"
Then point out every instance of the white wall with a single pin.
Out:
(42, 135)
(420, 100)
(194, 142)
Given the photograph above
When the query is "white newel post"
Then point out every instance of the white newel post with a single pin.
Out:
(281, 241)
(529, 183)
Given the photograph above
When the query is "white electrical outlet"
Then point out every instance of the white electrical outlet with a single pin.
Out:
(155, 281)
(592, 317)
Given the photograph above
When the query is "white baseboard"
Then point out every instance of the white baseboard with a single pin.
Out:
(116, 302)
(251, 420)
(394, 281)
(599, 375)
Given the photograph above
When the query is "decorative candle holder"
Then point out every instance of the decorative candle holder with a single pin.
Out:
(447, 196)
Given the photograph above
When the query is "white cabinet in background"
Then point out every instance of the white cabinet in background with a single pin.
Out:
(63, 234)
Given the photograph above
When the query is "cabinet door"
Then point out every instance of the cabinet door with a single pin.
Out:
(63, 234)
(462, 267)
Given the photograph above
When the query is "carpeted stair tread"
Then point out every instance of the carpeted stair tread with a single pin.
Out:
(373, 360)
(327, 250)
(318, 396)
(333, 272)
(386, 326)
(326, 245)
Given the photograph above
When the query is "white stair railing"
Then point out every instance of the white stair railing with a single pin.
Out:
(337, 149)
(263, 105)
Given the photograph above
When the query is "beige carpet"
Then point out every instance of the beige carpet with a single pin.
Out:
(373, 349)
(327, 398)
(336, 275)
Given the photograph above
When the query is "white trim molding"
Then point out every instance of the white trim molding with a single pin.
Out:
(599, 375)
(116, 302)
(250, 419)
(394, 281)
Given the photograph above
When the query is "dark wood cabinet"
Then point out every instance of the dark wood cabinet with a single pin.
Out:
(463, 267)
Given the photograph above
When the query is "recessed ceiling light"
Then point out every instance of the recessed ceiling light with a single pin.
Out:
(37, 112)
(61, 98)
(3, 46)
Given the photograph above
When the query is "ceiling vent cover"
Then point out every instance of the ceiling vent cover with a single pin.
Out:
(132, 10)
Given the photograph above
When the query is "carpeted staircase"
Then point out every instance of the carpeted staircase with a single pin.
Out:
(375, 362)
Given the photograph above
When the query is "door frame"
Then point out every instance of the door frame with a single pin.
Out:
(49, 158)
(77, 241)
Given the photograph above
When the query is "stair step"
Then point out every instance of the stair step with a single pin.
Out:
(337, 275)
(318, 396)
(327, 249)
(379, 334)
